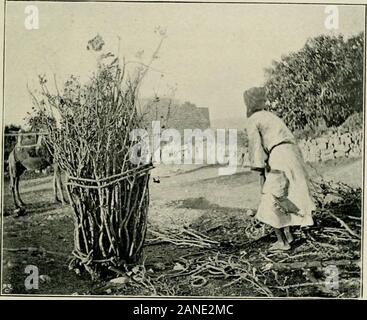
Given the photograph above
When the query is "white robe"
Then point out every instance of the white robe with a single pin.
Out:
(268, 133)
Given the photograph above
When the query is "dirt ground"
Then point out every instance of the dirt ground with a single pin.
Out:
(187, 196)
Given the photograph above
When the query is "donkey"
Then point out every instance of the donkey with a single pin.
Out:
(32, 157)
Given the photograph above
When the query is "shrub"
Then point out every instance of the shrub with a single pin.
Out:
(353, 122)
(322, 81)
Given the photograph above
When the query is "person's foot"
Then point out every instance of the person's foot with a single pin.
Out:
(280, 246)
(288, 236)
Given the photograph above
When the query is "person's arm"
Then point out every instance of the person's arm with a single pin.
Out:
(258, 157)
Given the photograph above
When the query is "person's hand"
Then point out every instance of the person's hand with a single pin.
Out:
(280, 208)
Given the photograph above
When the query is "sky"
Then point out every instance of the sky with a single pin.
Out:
(212, 52)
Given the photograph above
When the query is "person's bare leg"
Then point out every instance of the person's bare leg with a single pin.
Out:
(281, 243)
(288, 235)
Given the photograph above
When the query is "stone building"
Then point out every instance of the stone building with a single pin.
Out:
(173, 114)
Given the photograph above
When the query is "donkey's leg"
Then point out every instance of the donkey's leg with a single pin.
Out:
(13, 192)
(59, 186)
(55, 187)
(13, 173)
(17, 191)
(20, 207)
(63, 191)
(64, 199)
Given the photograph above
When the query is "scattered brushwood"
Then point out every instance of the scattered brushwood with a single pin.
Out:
(196, 272)
(338, 197)
(331, 245)
(236, 229)
(90, 130)
(328, 250)
(338, 210)
(181, 237)
(232, 268)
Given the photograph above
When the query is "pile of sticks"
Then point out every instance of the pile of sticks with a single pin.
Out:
(333, 241)
(181, 237)
(89, 134)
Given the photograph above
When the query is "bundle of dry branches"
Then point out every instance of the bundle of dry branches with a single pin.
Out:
(89, 134)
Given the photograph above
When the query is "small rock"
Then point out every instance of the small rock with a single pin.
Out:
(329, 198)
(250, 212)
(120, 280)
(178, 267)
(135, 269)
(108, 291)
(159, 266)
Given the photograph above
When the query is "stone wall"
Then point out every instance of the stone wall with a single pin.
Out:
(332, 146)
